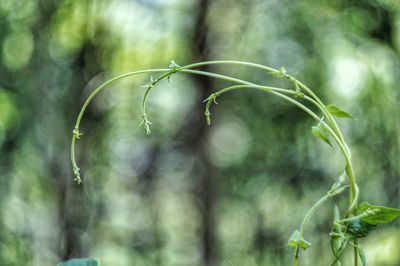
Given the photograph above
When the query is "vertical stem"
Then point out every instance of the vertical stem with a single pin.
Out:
(353, 197)
(355, 252)
(296, 257)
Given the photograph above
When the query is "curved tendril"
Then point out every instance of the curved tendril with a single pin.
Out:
(332, 128)
(187, 70)
(331, 124)
(278, 92)
(76, 134)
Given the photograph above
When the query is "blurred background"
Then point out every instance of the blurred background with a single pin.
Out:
(230, 194)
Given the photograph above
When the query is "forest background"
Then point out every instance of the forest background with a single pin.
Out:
(190, 194)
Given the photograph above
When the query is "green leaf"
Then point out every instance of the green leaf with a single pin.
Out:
(361, 254)
(377, 214)
(282, 70)
(336, 216)
(338, 112)
(357, 228)
(79, 262)
(322, 133)
(296, 240)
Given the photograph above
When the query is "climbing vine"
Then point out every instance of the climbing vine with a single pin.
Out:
(349, 225)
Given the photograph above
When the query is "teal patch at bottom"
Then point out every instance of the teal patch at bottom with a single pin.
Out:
(79, 262)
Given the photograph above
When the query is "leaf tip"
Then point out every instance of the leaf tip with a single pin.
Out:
(321, 132)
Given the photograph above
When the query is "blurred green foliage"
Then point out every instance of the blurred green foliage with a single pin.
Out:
(139, 203)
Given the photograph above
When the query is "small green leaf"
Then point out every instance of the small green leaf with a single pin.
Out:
(361, 254)
(377, 214)
(282, 70)
(173, 65)
(296, 240)
(338, 112)
(336, 215)
(321, 132)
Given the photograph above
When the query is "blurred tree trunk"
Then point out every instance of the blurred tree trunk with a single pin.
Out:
(194, 134)
(190, 139)
(8, 145)
(55, 165)
(153, 243)
(74, 207)
(383, 31)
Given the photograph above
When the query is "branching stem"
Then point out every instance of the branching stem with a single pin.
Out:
(292, 96)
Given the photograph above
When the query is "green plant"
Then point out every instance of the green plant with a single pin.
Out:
(357, 220)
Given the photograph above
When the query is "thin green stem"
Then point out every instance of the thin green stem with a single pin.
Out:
(311, 212)
(277, 91)
(296, 257)
(273, 90)
(76, 133)
(355, 252)
(335, 131)
(307, 217)
(75, 167)
(231, 79)
(102, 86)
(305, 221)
(199, 64)
(270, 70)
(354, 192)
(344, 147)
(259, 66)
(231, 62)
(324, 109)
(330, 123)
(321, 201)
(354, 217)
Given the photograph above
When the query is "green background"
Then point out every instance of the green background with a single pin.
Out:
(230, 194)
